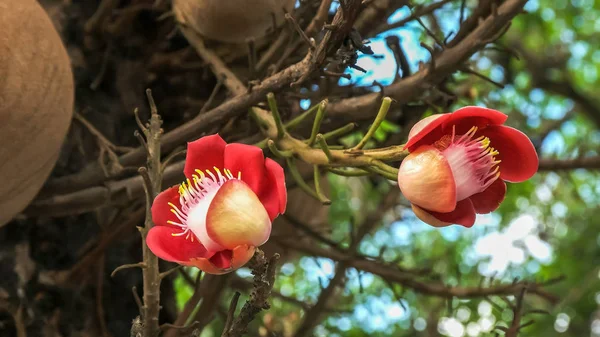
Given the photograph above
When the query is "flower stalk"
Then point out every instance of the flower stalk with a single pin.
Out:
(317, 180)
(323, 144)
(300, 118)
(340, 132)
(276, 116)
(381, 114)
(291, 164)
(317, 122)
(329, 156)
(278, 153)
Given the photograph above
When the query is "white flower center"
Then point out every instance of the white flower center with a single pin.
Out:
(195, 199)
(472, 162)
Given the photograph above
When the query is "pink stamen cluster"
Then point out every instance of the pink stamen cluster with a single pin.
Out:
(192, 193)
(472, 163)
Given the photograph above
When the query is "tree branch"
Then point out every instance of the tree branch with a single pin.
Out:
(448, 61)
(590, 163)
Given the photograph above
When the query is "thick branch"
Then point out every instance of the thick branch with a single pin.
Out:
(590, 163)
(93, 175)
(391, 273)
(448, 61)
(150, 273)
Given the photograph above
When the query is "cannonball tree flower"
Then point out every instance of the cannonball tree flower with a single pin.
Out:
(223, 211)
(458, 163)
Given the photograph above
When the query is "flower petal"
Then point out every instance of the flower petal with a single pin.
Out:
(465, 118)
(222, 259)
(208, 267)
(237, 217)
(463, 215)
(426, 131)
(250, 160)
(274, 199)
(427, 218)
(241, 255)
(519, 160)
(178, 249)
(490, 199)
(226, 262)
(425, 178)
(434, 127)
(204, 153)
(161, 210)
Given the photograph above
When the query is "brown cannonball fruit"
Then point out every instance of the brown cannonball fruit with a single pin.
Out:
(36, 102)
(232, 21)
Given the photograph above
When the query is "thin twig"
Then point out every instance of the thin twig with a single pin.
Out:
(127, 266)
(231, 312)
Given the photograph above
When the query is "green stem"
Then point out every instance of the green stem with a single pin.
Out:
(383, 110)
(277, 152)
(262, 123)
(297, 120)
(348, 173)
(262, 144)
(298, 178)
(323, 144)
(276, 116)
(317, 179)
(317, 122)
(382, 169)
(339, 132)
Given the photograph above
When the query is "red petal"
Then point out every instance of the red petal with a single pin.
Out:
(490, 199)
(161, 211)
(427, 218)
(465, 118)
(426, 131)
(206, 266)
(463, 214)
(274, 199)
(238, 257)
(173, 248)
(222, 259)
(519, 160)
(204, 153)
(434, 127)
(250, 160)
(241, 255)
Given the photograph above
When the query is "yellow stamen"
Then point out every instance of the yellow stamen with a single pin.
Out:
(471, 131)
(485, 142)
(184, 187)
(202, 175)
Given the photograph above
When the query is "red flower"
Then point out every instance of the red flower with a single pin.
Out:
(458, 163)
(224, 210)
